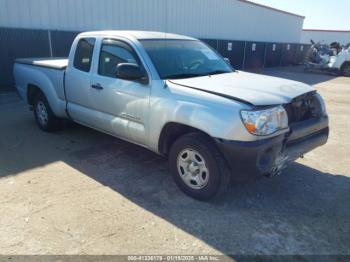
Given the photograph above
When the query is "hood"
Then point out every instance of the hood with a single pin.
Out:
(255, 89)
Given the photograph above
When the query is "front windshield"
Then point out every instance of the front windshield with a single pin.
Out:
(176, 59)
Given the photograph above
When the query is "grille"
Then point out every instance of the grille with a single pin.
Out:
(303, 108)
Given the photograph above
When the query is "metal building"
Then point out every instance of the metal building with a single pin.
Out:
(219, 19)
(250, 35)
(325, 36)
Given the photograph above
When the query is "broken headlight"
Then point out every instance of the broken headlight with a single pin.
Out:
(265, 122)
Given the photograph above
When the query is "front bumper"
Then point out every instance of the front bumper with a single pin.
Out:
(271, 156)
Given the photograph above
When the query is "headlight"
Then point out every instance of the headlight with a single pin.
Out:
(265, 122)
(322, 104)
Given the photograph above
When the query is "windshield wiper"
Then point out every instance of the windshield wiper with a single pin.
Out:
(188, 75)
(217, 72)
(179, 76)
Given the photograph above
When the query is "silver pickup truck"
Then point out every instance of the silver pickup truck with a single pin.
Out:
(179, 98)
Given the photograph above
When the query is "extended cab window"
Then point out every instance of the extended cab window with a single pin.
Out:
(113, 53)
(83, 54)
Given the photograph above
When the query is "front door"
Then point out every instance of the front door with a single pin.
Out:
(122, 106)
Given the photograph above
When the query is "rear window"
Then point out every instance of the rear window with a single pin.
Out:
(83, 54)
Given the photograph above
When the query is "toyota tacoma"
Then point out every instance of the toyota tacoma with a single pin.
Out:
(176, 96)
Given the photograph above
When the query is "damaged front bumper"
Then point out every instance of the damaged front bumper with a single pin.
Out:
(271, 156)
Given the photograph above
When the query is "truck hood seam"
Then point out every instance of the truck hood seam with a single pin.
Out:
(215, 93)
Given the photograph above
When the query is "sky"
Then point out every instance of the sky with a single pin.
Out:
(319, 14)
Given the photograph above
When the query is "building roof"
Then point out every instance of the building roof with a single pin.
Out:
(271, 8)
(326, 30)
(138, 34)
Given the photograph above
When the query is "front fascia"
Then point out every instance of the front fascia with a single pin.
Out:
(217, 116)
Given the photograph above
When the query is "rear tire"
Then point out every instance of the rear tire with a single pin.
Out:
(345, 69)
(43, 114)
(198, 168)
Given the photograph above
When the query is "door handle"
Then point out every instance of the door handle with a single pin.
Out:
(97, 86)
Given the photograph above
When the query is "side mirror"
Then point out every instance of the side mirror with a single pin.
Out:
(132, 72)
(227, 60)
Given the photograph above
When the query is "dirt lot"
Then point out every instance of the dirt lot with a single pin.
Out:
(82, 192)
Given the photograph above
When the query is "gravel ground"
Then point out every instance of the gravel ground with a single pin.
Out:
(78, 191)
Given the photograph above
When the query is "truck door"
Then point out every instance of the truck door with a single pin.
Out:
(79, 94)
(122, 105)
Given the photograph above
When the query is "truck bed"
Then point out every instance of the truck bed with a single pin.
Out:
(53, 63)
(46, 73)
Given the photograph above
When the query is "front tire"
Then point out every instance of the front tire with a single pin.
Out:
(43, 114)
(198, 168)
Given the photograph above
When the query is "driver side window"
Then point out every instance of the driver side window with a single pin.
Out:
(113, 53)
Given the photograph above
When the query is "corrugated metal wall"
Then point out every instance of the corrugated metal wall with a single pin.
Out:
(233, 50)
(273, 54)
(61, 42)
(215, 19)
(254, 55)
(22, 43)
(15, 43)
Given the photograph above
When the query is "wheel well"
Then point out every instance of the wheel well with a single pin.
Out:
(32, 91)
(171, 132)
